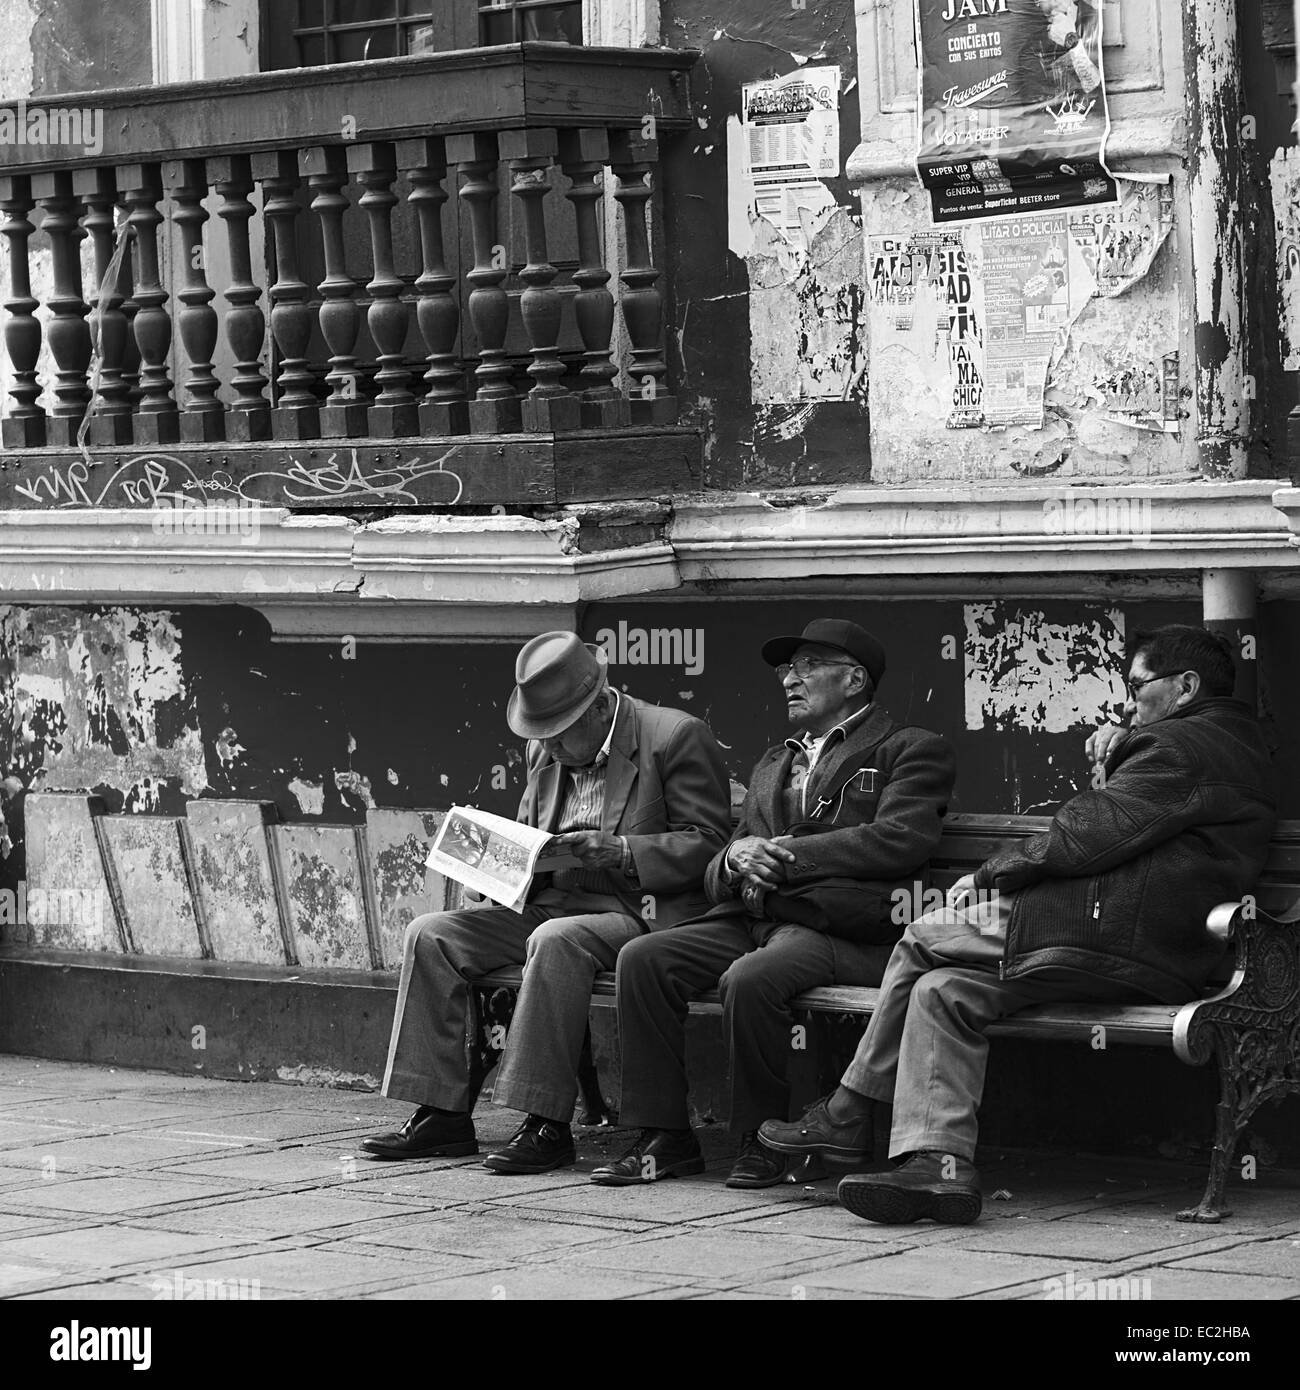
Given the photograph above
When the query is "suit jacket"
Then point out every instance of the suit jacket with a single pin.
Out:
(874, 809)
(666, 790)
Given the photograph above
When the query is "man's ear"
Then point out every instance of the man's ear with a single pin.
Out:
(1191, 688)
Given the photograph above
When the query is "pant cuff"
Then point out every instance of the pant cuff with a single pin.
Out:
(425, 1090)
(901, 1143)
(554, 1105)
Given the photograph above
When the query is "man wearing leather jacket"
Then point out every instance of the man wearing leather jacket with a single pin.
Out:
(1108, 904)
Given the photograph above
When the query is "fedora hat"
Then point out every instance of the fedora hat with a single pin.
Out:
(557, 678)
(831, 632)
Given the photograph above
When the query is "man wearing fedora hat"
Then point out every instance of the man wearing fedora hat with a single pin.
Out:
(639, 795)
(835, 821)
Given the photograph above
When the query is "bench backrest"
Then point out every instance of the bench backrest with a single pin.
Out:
(968, 840)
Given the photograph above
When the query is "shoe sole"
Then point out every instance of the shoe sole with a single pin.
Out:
(464, 1149)
(495, 1163)
(687, 1168)
(889, 1205)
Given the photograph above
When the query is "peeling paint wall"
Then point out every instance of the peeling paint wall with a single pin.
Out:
(53, 46)
(1015, 684)
(770, 344)
(99, 701)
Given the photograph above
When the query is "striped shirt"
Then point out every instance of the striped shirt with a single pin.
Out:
(584, 809)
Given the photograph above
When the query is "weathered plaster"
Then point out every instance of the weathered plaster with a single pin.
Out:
(1024, 672)
(99, 701)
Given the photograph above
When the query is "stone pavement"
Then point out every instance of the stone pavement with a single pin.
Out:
(130, 1184)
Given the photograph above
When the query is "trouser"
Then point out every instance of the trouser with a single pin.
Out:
(562, 940)
(925, 1050)
(659, 974)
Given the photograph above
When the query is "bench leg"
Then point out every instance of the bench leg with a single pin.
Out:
(593, 1110)
(493, 1010)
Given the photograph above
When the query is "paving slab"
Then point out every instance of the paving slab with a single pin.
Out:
(108, 1186)
(935, 1272)
(114, 1194)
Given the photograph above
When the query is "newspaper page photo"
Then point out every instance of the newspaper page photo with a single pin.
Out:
(494, 856)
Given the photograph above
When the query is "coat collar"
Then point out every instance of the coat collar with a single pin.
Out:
(859, 740)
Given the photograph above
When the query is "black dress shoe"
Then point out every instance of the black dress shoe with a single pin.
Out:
(537, 1146)
(658, 1153)
(756, 1166)
(429, 1133)
(940, 1186)
(816, 1133)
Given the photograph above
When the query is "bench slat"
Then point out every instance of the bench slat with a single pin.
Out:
(1143, 1024)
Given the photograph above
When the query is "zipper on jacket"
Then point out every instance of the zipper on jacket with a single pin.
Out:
(1096, 909)
(1002, 970)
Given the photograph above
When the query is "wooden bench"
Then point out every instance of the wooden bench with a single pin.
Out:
(1249, 1024)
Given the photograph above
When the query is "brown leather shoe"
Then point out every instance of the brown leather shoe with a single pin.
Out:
(815, 1132)
(941, 1186)
(756, 1166)
(429, 1133)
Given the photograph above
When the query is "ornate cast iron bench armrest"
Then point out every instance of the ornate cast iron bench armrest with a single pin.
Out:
(1251, 1028)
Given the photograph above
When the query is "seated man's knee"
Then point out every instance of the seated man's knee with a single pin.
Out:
(422, 930)
(750, 979)
(641, 957)
(558, 936)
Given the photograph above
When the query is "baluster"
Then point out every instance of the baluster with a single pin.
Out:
(203, 418)
(633, 158)
(344, 411)
(24, 427)
(156, 417)
(131, 358)
(249, 417)
(584, 154)
(394, 412)
(111, 421)
(550, 405)
(296, 414)
(444, 409)
(68, 333)
(495, 408)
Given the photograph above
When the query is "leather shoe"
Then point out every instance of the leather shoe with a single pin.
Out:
(429, 1133)
(816, 1133)
(537, 1146)
(657, 1153)
(756, 1166)
(940, 1186)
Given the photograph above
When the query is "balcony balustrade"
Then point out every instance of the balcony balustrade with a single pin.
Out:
(457, 380)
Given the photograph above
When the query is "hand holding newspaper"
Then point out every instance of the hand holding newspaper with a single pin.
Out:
(495, 856)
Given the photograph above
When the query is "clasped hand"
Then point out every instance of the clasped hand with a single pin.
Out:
(760, 861)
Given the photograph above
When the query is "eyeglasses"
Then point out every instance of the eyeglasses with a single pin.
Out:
(1134, 687)
(804, 666)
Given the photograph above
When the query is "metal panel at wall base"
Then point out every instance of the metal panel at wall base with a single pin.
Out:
(64, 865)
(405, 889)
(324, 895)
(232, 867)
(155, 888)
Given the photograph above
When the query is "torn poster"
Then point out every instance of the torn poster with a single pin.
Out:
(1023, 266)
(1012, 107)
(1284, 175)
(922, 297)
(1120, 243)
(1023, 671)
(790, 129)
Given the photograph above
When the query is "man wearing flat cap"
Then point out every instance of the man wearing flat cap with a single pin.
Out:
(835, 820)
(639, 795)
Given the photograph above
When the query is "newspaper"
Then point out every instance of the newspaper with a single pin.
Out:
(494, 856)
